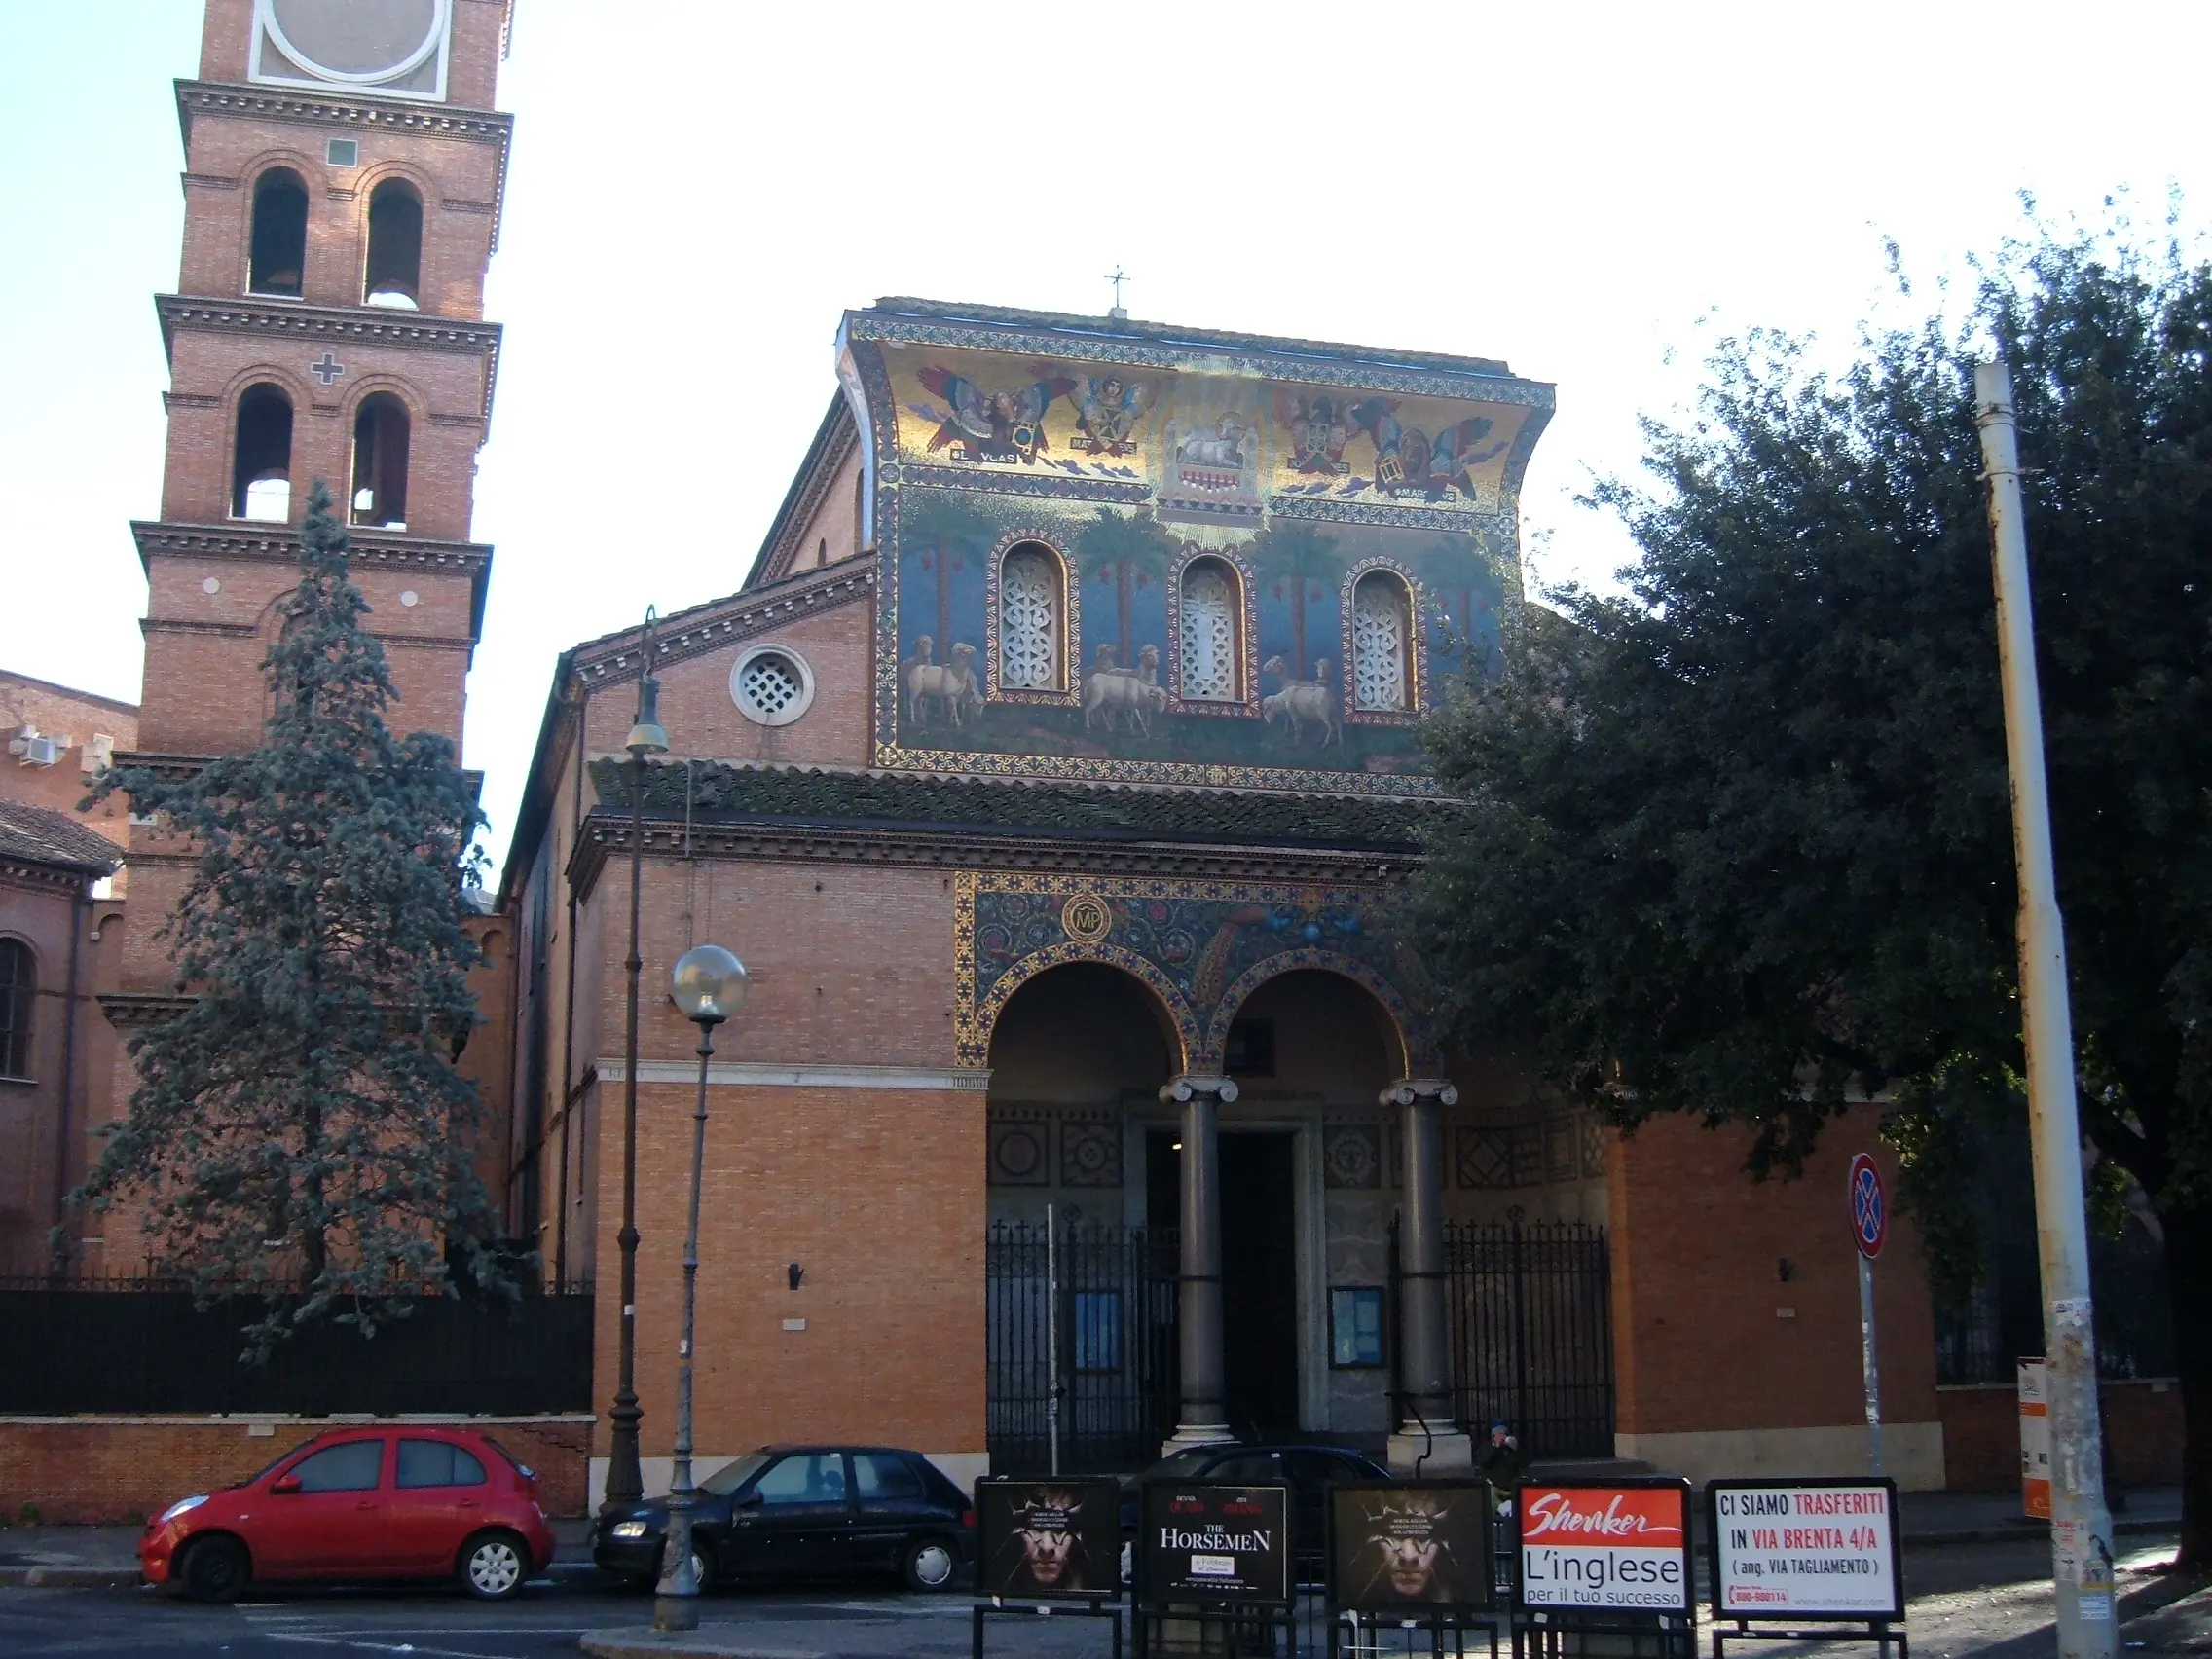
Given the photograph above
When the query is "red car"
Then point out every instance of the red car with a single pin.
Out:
(418, 1501)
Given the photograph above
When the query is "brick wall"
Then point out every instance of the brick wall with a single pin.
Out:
(1981, 1435)
(1722, 1365)
(84, 1472)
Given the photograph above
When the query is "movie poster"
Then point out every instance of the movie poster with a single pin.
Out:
(1049, 1538)
(1215, 1543)
(1395, 1547)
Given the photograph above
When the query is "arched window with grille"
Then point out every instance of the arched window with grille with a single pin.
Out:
(261, 455)
(1382, 644)
(277, 255)
(1032, 619)
(18, 998)
(1209, 645)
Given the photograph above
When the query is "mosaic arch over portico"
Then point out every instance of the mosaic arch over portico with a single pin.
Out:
(1201, 946)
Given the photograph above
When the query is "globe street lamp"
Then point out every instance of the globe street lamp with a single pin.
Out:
(625, 1482)
(709, 988)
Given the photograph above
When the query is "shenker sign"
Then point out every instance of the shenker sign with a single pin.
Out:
(1617, 1547)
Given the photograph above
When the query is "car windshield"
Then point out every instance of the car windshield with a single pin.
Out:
(1185, 1463)
(271, 1464)
(730, 1476)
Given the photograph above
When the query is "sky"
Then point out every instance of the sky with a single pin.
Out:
(1592, 193)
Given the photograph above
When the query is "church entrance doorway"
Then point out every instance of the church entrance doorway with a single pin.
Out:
(1259, 1269)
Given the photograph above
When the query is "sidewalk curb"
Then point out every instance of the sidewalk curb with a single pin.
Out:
(71, 1577)
(2029, 1531)
(57, 1576)
(697, 1644)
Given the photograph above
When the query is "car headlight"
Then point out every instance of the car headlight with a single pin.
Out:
(629, 1528)
(180, 1507)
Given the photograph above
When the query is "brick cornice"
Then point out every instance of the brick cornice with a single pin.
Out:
(835, 442)
(305, 108)
(280, 545)
(129, 1010)
(66, 879)
(284, 320)
(606, 834)
(615, 658)
(180, 768)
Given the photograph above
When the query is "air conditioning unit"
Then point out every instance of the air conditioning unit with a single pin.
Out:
(39, 751)
(100, 753)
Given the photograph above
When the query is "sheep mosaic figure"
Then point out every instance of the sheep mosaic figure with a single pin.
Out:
(1303, 701)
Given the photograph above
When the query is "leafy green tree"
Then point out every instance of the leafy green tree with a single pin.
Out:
(1739, 840)
(299, 1124)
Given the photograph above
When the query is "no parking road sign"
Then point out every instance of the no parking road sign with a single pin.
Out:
(1870, 1207)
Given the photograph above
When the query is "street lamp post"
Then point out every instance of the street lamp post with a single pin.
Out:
(625, 1482)
(709, 988)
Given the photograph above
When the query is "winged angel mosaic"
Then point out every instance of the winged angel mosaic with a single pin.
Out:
(1007, 424)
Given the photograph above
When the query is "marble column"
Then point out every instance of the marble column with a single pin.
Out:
(1203, 1416)
(1428, 1437)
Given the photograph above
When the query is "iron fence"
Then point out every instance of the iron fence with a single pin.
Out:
(2002, 1320)
(1531, 1314)
(1104, 1295)
(138, 1345)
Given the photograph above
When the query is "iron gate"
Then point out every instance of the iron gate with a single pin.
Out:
(1107, 1293)
(1531, 1335)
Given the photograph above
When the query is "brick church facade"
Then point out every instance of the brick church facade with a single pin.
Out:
(1054, 773)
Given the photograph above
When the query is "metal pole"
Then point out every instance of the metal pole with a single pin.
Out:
(625, 1481)
(1053, 1332)
(675, 1600)
(2080, 1527)
(1867, 1364)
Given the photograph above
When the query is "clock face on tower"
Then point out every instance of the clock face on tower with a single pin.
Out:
(389, 47)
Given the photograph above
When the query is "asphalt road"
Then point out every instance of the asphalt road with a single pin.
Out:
(1992, 1601)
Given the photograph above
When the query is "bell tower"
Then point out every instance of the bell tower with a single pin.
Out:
(344, 168)
(342, 177)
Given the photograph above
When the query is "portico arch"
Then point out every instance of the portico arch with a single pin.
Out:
(1180, 1019)
(1394, 1017)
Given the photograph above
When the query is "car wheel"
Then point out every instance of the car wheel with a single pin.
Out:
(928, 1565)
(215, 1569)
(494, 1566)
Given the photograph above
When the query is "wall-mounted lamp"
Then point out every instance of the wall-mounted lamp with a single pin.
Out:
(797, 1273)
(1785, 1269)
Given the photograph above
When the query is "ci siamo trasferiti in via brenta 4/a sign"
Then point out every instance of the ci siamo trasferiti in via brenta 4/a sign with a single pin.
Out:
(1616, 1547)
(1811, 1549)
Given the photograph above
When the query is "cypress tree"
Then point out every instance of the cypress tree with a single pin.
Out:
(299, 1124)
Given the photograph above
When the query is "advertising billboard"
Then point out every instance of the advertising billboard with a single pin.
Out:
(1049, 1538)
(1215, 1543)
(1805, 1549)
(1421, 1548)
(1604, 1546)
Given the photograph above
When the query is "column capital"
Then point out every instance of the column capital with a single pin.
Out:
(1182, 1090)
(1406, 1090)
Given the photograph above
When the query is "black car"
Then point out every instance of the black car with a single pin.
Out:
(803, 1512)
(1309, 1470)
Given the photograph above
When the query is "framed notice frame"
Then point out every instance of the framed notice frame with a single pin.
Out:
(1604, 1555)
(1806, 1552)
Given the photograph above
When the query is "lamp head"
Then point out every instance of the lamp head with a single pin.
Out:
(708, 984)
(646, 736)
